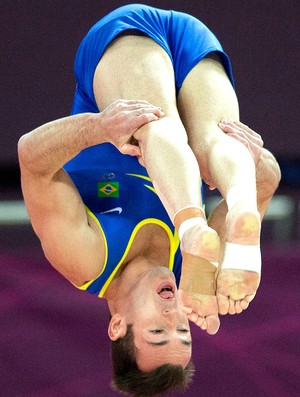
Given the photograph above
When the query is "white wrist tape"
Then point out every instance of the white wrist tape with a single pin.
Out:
(242, 257)
(188, 224)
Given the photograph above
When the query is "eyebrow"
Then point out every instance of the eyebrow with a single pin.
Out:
(166, 341)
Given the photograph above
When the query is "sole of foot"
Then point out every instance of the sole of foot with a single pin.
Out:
(236, 288)
(200, 249)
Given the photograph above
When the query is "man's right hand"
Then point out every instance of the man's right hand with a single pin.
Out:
(242, 133)
(121, 119)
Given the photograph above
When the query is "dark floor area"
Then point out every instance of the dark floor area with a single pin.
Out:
(53, 338)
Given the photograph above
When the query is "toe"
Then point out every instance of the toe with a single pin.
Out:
(231, 306)
(213, 324)
(238, 307)
(201, 322)
(223, 304)
(244, 304)
(193, 317)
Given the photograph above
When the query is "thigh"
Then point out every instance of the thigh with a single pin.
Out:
(205, 98)
(135, 67)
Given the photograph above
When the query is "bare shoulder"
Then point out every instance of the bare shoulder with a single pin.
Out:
(69, 237)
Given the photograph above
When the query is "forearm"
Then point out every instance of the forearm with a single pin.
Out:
(47, 148)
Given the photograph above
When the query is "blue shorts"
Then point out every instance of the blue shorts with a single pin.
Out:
(185, 39)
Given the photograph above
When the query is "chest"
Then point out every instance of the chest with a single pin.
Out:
(152, 242)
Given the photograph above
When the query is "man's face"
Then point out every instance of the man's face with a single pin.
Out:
(161, 329)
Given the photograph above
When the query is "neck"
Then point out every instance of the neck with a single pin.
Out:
(123, 283)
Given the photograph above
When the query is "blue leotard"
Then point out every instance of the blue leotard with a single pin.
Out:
(115, 188)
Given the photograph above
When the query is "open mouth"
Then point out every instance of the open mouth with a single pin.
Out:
(167, 291)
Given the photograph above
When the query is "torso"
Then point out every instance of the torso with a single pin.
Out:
(150, 242)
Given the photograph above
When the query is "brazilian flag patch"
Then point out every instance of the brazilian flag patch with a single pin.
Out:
(108, 189)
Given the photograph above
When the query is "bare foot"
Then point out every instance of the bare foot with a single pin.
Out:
(236, 288)
(200, 246)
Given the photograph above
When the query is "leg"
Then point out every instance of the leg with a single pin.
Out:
(147, 73)
(207, 97)
(137, 67)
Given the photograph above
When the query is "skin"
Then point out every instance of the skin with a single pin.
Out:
(159, 139)
(149, 253)
(187, 142)
(161, 328)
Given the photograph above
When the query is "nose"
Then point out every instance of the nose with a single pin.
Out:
(170, 316)
(169, 312)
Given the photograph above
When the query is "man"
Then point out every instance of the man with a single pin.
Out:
(99, 215)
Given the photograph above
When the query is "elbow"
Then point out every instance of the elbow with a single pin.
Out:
(276, 173)
(25, 153)
(23, 148)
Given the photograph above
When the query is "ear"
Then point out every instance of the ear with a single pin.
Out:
(117, 327)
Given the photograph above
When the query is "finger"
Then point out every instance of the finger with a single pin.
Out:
(131, 150)
(141, 161)
(237, 126)
(145, 118)
(240, 138)
(240, 128)
(255, 139)
(142, 119)
(245, 127)
(133, 102)
(253, 148)
(249, 132)
(149, 109)
(226, 127)
(232, 130)
(144, 107)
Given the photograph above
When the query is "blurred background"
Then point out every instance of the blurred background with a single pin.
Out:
(53, 338)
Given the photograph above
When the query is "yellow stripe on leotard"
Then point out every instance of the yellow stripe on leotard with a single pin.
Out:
(173, 239)
(174, 242)
(88, 283)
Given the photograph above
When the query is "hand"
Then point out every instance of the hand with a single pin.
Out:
(245, 135)
(121, 119)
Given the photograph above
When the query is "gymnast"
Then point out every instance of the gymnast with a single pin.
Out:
(115, 194)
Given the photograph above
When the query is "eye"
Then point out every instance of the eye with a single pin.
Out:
(156, 331)
(184, 330)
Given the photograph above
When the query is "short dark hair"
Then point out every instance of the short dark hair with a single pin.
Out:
(129, 379)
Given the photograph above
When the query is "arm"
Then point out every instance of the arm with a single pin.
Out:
(70, 240)
(267, 173)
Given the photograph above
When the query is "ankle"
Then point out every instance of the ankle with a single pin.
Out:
(186, 214)
(238, 195)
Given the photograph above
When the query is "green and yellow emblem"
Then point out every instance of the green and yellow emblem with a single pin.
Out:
(108, 189)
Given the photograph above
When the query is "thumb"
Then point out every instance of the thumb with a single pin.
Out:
(131, 150)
